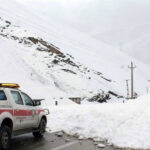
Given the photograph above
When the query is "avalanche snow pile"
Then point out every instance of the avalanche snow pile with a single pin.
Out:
(124, 125)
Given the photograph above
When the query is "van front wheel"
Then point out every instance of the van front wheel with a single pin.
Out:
(41, 129)
(5, 137)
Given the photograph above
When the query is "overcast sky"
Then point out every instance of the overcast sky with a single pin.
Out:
(95, 17)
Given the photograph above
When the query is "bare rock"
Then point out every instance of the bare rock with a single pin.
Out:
(60, 134)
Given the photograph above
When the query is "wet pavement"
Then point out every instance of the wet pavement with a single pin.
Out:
(52, 141)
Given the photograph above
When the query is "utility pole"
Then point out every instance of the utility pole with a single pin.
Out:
(132, 79)
(127, 84)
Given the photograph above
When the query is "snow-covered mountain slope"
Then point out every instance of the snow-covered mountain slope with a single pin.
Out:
(139, 48)
(59, 59)
(118, 23)
(133, 41)
(65, 73)
(15, 69)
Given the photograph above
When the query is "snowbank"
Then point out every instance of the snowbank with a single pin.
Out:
(124, 125)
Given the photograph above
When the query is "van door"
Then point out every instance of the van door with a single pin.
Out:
(32, 116)
(20, 112)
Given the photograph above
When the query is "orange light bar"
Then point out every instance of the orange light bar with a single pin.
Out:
(9, 85)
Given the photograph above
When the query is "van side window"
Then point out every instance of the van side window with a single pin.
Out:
(2, 95)
(17, 97)
(28, 101)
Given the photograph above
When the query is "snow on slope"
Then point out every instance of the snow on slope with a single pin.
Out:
(14, 69)
(134, 41)
(117, 23)
(101, 62)
(124, 125)
(139, 47)
(65, 73)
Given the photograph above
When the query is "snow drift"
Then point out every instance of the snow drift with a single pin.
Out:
(124, 125)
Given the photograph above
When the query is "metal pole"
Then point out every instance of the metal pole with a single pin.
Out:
(127, 84)
(132, 80)
(132, 85)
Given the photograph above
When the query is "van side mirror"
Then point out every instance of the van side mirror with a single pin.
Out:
(37, 103)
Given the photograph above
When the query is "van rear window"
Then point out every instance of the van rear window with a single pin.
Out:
(2, 95)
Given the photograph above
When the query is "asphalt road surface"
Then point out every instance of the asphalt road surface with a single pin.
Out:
(53, 141)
